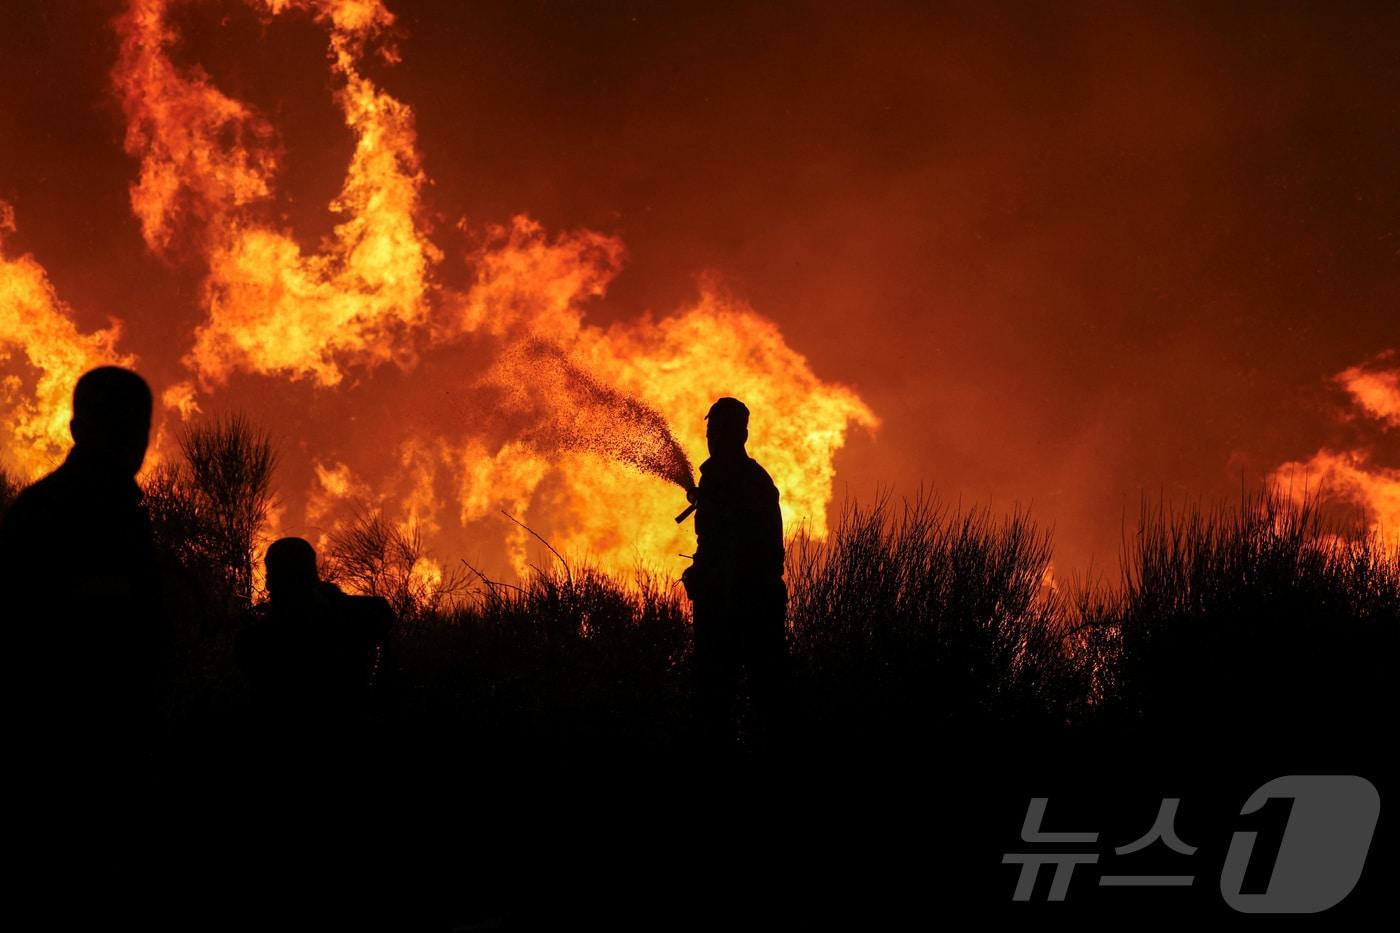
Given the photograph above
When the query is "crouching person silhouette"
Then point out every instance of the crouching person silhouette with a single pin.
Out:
(736, 584)
(78, 580)
(313, 652)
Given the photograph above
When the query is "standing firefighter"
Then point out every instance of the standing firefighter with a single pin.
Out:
(736, 581)
(78, 582)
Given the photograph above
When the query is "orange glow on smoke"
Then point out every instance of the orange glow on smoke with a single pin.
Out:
(1353, 475)
(1377, 392)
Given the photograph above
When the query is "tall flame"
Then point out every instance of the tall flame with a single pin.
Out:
(579, 430)
(207, 160)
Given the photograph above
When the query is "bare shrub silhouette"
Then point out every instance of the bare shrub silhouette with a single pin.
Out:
(567, 658)
(230, 464)
(182, 526)
(208, 510)
(207, 513)
(910, 619)
(375, 557)
(1265, 619)
(926, 614)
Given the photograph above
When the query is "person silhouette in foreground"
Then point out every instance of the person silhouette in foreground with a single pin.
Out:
(313, 652)
(736, 582)
(78, 571)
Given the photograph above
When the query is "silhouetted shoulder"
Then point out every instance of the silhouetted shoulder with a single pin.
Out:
(27, 526)
(33, 498)
(760, 472)
(372, 614)
(759, 477)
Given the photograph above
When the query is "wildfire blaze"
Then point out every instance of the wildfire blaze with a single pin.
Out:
(566, 425)
(467, 259)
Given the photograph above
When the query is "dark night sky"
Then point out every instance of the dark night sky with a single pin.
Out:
(1069, 253)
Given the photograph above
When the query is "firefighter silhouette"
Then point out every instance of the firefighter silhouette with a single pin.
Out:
(736, 583)
(313, 652)
(78, 574)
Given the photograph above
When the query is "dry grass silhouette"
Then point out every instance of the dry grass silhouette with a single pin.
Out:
(911, 619)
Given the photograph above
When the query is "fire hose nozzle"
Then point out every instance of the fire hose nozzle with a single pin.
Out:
(691, 495)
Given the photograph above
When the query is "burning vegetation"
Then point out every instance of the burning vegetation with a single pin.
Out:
(563, 422)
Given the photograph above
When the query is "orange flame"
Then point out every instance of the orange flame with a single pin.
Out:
(369, 296)
(34, 319)
(207, 159)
